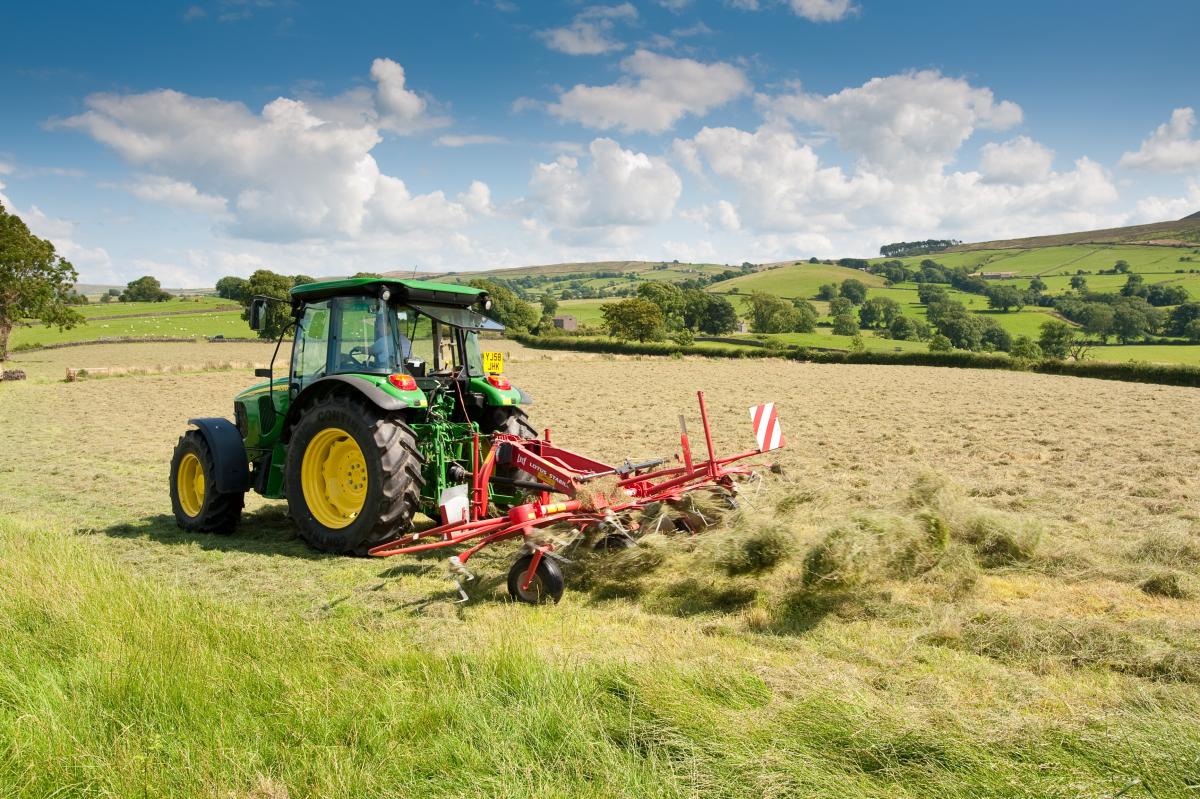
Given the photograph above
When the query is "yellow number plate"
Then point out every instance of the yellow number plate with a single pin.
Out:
(493, 363)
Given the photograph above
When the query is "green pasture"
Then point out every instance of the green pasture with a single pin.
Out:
(211, 323)
(796, 280)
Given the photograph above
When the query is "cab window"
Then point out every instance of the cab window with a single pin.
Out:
(309, 357)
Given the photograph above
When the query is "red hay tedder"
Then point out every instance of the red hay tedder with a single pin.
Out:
(599, 505)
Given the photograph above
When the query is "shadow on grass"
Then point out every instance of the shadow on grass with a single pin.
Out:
(266, 531)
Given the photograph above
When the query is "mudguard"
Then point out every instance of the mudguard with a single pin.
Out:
(368, 390)
(231, 472)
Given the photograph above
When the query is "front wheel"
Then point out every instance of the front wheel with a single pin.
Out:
(546, 585)
(198, 506)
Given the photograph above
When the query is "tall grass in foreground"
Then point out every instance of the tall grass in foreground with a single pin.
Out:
(113, 685)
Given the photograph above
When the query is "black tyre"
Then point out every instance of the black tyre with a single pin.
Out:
(514, 422)
(353, 475)
(546, 586)
(198, 506)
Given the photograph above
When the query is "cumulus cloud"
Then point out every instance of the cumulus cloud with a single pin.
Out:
(176, 193)
(783, 188)
(93, 261)
(908, 124)
(1170, 148)
(823, 10)
(590, 33)
(618, 188)
(1165, 209)
(656, 92)
(295, 170)
(1018, 161)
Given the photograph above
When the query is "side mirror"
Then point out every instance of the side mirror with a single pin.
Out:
(258, 311)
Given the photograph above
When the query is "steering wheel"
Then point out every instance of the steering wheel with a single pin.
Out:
(358, 351)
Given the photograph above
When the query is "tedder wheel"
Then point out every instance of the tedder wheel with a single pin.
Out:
(614, 542)
(353, 475)
(198, 506)
(546, 586)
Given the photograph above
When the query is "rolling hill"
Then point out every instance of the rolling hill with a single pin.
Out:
(1180, 233)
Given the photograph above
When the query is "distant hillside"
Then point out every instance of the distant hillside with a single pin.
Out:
(1182, 233)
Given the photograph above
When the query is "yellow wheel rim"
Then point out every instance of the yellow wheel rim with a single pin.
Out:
(333, 476)
(189, 481)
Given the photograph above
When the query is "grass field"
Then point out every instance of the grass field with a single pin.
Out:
(1067, 259)
(795, 280)
(964, 584)
(204, 323)
(189, 305)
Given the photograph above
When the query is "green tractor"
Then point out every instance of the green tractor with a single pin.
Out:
(385, 402)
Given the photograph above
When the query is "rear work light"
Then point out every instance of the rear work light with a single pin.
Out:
(403, 382)
(500, 382)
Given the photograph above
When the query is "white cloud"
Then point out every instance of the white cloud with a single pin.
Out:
(621, 188)
(783, 189)
(674, 5)
(1170, 148)
(590, 33)
(400, 109)
(477, 198)
(94, 262)
(296, 170)
(1166, 209)
(177, 193)
(907, 124)
(656, 92)
(1019, 161)
(823, 10)
(451, 140)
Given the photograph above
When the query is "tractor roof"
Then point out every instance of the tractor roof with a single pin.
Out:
(402, 290)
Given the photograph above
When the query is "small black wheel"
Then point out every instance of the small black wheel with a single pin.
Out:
(546, 586)
(614, 542)
(198, 506)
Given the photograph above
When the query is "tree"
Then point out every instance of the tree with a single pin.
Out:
(638, 319)
(1079, 282)
(1129, 323)
(668, 297)
(718, 317)
(1026, 349)
(907, 328)
(995, 338)
(931, 292)
(232, 288)
(844, 324)
(145, 289)
(277, 315)
(827, 292)
(1037, 285)
(965, 331)
(1056, 338)
(1181, 317)
(1097, 319)
(768, 313)
(1004, 297)
(940, 343)
(1121, 267)
(549, 304)
(854, 290)
(34, 280)
(840, 305)
(1135, 286)
(879, 312)
(806, 316)
(1191, 331)
(507, 308)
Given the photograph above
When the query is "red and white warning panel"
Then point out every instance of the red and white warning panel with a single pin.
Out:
(766, 427)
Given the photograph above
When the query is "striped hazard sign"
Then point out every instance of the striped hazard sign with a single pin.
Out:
(766, 427)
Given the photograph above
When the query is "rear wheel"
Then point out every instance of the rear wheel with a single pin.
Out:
(514, 422)
(353, 475)
(198, 506)
(546, 585)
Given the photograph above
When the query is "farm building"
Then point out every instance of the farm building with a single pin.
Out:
(566, 322)
(995, 275)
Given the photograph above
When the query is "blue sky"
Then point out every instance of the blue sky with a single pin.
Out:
(193, 140)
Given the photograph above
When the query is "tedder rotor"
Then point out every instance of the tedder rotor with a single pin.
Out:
(390, 408)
